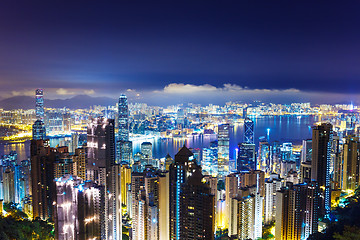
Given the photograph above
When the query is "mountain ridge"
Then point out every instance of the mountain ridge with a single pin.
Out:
(76, 102)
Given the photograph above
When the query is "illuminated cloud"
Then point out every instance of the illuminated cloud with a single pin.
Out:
(23, 93)
(89, 92)
(63, 91)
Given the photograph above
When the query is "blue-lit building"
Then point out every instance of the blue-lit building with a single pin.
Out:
(248, 131)
(246, 160)
(322, 137)
(191, 201)
(38, 130)
(123, 146)
(39, 104)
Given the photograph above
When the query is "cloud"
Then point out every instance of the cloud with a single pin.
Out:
(89, 92)
(188, 88)
(63, 91)
(23, 93)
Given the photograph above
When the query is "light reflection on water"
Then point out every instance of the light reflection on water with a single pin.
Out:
(282, 128)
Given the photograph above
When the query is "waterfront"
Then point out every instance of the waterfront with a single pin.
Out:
(281, 128)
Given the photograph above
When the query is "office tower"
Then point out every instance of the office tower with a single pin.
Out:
(124, 146)
(180, 118)
(209, 159)
(296, 211)
(100, 149)
(223, 149)
(39, 105)
(246, 160)
(306, 156)
(351, 162)
(123, 119)
(272, 185)
(191, 202)
(79, 160)
(42, 179)
(38, 130)
(9, 185)
(125, 151)
(146, 151)
(322, 136)
(264, 157)
(248, 131)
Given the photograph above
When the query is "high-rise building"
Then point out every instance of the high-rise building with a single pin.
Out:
(351, 163)
(296, 211)
(306, 156)
(79, 159)
(248, 131)
(191, 201)
(123, 119)
(322, 136)
(38, 130)
(223, 149)
(39, 105)
(80, 209)
(42, 179)
(9, 185)
(264, 157)
(124, 146)
(246, 160)
(100, 149)
(146, 151)
(272, 185)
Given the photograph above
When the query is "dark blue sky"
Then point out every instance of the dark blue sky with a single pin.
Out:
(107, 47)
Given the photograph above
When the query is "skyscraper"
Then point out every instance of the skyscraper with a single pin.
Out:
(191, 201)
(124, 146)
(248, 131)
(351, 163)
(246, 160)
(100, 149)
(223, 149)
(38, 130)
(296, 211)
(322, 136)
(42, 179)
(39, 105)
(123, 119)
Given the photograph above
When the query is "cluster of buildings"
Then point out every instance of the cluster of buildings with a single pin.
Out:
(99, 189)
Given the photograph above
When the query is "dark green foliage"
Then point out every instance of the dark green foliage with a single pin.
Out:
(15, 225)
(347, 223)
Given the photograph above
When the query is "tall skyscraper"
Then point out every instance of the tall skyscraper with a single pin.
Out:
(223, 149)
(322, 136)
(246, 160)
(248, 131)
(42, 179)
(123, 119)
(39, 105)
(123, 146)
(191, 201)
(38, 130)
(100, 149)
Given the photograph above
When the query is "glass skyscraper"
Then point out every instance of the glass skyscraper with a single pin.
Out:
(39, 104)
(248, 131)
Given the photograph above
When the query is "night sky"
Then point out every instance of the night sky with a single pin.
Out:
(189, 51)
